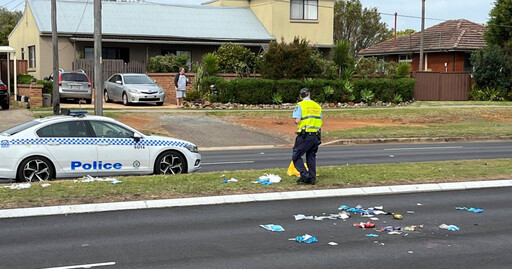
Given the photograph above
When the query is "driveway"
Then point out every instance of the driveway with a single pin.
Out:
(12, 117)
(212, 132)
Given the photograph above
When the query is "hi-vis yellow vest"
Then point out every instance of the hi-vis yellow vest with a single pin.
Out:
(311, 118)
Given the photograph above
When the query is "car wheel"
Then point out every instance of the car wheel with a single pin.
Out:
(88, 101)
(125, 100)
(170, 162)
(159, 103)
(107, 97)
(35, 169)
(5, 106)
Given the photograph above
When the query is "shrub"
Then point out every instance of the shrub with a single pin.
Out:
(47, 86)
(487, 94)
(223, 92)
(193, 96)
(403, 70)
(24, 78)
(367, 96)
(253, 91)
(167, 63)
(492, 69)
(405, 87)
(289, 89)
(286, 60)
(386, 89)
(210, 62)
(342, 56)
(232, 56)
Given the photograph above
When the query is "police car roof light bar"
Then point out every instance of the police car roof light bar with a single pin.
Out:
(74, 113)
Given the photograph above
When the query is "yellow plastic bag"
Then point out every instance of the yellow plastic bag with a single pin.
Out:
(292, 171)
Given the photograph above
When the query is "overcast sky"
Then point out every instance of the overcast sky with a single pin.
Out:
(473, 10)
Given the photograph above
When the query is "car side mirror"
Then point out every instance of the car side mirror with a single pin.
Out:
(119, 82)
(137, 137)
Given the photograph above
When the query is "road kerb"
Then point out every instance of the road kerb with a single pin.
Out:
(244, 198)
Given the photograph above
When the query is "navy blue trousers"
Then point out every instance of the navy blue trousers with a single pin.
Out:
(308, 145)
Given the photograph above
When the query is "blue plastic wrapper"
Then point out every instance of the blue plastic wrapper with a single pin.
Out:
(273, 227)
(471, 209)
(372, 235)
(306, 238)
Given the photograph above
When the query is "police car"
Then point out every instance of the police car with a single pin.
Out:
(77, 144)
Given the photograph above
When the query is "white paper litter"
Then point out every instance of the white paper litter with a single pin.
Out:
(18, 186)
(46, 185)
(302, 217)
(333, 243)
(89, 178)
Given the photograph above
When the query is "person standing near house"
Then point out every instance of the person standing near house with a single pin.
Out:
(308, 117)
(180, 84)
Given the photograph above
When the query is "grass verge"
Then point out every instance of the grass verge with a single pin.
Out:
(65, 192)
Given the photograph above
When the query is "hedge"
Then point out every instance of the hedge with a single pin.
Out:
(260, 91)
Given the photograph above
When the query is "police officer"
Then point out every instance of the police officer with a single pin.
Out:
(308, 117)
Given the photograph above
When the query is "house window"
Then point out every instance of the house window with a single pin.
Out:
(32, 57)
(165, 52)
(108, 53)
(467, 63)
(304, 9)
(405, 58)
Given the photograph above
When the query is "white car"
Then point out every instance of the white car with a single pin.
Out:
(77, 144)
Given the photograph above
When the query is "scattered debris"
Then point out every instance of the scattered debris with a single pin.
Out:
(306, 238)
(302, 217)
(410, 212)
(449, 227)
(18, 186)
(390, 228)
(230, 180)
(268, 179)
(391, 156)
(394, 232)
(333, 243)
(273, 227)
(372, 235)
(397, 216)
(410, 252)
(88, 178)
(419, 204)
(471, 209)
(46, 185)
(365, 225)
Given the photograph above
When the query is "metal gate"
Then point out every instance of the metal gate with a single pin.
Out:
(437, 86)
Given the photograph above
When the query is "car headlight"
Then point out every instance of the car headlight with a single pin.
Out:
(192, 148)
(134, 91)
(160, 90)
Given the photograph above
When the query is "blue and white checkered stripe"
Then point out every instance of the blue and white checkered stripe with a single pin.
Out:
(93, 141)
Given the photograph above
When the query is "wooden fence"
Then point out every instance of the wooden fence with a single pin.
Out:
(110, 67)
(21, 68)
(436, 86)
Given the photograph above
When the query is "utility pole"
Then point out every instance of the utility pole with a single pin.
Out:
(98, 61)
(422, 33)
(55, 45)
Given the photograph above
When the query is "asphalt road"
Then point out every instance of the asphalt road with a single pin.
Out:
(360, 154)
(229, 236)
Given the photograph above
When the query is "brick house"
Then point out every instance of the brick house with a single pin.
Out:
(447, 47)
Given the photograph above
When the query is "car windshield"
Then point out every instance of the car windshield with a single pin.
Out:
(79, 77)
(137, 80)
(19, 128)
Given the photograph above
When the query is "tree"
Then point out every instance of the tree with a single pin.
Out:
(405, 32)
(232, 57)
(286, 60)
(8, 20)
(491, 68)
(499, 26)
(361, 27)
(341, 55)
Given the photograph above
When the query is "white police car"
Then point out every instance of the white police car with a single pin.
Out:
(75, 145)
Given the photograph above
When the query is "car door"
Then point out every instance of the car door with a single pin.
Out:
(118, 88)
(72, 145)
(118, 151)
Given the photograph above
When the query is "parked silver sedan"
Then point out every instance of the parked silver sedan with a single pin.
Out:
(132, 88)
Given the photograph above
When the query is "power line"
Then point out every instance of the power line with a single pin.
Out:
(5, 6)
(82, 17)
(22, 1)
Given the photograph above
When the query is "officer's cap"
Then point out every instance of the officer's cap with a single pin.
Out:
(304, 92)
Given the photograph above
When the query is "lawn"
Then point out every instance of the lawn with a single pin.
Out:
(204, 184)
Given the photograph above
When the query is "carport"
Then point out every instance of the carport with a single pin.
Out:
(8, 50)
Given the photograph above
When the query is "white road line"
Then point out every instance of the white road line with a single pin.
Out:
(240, 162)
(458, 147)
(83, 265)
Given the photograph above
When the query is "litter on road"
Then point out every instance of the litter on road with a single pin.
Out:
(449, 227)
(332, 243)
(365, 225)
(306, 238)
(372, 235)
(471, 209)
(46, 185)
(273, 227)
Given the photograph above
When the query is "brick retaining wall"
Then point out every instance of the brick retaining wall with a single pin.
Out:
(34, 91)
